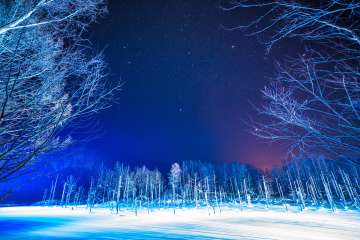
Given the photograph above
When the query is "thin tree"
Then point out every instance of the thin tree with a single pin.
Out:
(174, 179)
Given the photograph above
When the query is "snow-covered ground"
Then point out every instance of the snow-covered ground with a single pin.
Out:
(255, 223)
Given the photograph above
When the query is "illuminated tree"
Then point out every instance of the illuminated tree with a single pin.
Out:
(174, 179)
(47, 79)
(314, 101)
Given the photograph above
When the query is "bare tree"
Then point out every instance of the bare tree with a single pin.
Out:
(314, 101)
(174, 179)
(47, 79)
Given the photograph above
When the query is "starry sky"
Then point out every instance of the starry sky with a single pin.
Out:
(189, 85)
(188, 94)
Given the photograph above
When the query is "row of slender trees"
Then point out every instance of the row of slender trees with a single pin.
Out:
(303, 183)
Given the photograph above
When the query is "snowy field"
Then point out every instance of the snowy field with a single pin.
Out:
(255, 223)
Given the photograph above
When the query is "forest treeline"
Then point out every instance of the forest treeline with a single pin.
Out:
(302, 183)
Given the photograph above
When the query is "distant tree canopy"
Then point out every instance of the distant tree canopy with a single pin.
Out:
(46, 77)
(314, 101)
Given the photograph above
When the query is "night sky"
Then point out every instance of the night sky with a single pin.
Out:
(188, 94)
(189, 85)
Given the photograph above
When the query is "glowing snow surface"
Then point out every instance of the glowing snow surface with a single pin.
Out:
(256, 223)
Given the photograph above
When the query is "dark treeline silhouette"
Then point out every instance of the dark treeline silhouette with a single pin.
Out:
(304, 183)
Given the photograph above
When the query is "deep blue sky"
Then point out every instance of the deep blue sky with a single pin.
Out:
(188, 84)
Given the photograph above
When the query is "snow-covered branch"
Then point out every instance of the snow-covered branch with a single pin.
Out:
(47, 78)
